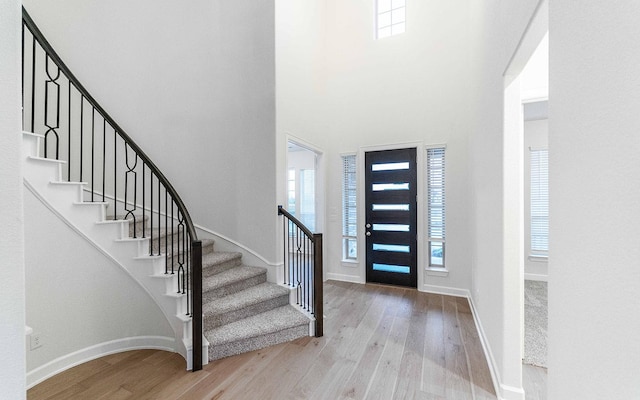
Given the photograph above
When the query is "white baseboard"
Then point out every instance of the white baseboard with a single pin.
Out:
(448, 291)
(344, 278)
(504, 392)
(536, 277)
(99, 350)
(510, 393)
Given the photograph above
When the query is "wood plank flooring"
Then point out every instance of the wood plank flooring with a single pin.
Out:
(380, 342)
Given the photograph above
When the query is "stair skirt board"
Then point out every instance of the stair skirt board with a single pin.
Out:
(71, 360)
(234, 295)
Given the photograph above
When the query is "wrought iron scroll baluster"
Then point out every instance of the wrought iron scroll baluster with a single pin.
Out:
(52, 82)
(130, 207)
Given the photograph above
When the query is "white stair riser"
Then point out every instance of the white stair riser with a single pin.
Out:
(31, 144)
(112, 237)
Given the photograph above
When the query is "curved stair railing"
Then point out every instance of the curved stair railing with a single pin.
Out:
(303, 266)
(97, 151)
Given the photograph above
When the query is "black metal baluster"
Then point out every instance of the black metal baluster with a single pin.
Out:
(173, 253)
(166, 230)
(104, 156)
(115, 173)
(291, 254)
(185, 249)
(151, 216)
(306, 271)
(23, 74)
(93, 148)
(188, 248)
(81, 135)
(180, 243)
(284, 250)
(298, 260)
(144, 204)
(51, 127)
(159, 217)
(69, 138)
(130, 172)
(33, 90)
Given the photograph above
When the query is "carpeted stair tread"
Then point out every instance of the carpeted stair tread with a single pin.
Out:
(219, 261)
(263, 324)
(231, 276)
(207, 248)
(253, 295)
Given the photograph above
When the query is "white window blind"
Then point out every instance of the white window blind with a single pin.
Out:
(539, 201)
(436, 205)
(349, 212)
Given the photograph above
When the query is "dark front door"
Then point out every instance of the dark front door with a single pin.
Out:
(391, 217)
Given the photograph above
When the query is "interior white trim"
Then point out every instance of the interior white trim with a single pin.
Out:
(67, 361)
(536, 277)
(239, 245)
(537, 27)
(447, 291)
(303, 143)
(441, 272)
(345, 278)
(503, 392)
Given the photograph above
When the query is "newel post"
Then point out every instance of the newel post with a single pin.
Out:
(196, 320)
(317, 283)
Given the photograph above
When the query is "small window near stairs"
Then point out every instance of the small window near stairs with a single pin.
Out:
(390, 18)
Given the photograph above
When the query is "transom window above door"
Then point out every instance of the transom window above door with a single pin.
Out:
(390, 18)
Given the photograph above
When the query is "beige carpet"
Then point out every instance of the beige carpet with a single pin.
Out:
(535, 323)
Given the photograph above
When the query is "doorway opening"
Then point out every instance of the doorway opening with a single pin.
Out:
(534, 90)
(525, 217)
(302, 184)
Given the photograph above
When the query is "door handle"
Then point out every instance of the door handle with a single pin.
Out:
(368, 226)
(368, 233)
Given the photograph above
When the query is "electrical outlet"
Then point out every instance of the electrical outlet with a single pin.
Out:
(36, 340)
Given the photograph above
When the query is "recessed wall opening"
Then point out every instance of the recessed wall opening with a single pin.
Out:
(302, 185)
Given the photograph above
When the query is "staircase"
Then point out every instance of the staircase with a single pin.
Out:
(97, 179)
(242, 312)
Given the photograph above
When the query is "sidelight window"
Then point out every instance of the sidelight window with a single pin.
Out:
(436, 206)
(349, 213)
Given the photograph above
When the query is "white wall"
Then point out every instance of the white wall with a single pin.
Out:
(594, 312)
(536, 136)
(497, 29)
(350, 91)
(79, 301)
(194, 85)
(12, 287)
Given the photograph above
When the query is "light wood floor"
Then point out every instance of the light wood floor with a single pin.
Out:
(380, 343)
